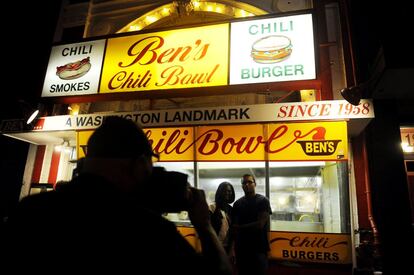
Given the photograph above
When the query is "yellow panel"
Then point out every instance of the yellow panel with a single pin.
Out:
(308, 141)
(311, 247)
(172, 144)
(322, 141)
(182, 58)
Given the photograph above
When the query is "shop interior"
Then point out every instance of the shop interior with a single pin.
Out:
(304, 196)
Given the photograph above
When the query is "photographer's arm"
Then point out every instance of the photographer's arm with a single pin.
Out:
(212, 250)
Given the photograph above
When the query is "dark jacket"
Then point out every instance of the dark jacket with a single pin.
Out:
(87, 225)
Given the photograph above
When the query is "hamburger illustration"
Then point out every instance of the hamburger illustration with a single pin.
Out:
(74, 69)
(271, 49)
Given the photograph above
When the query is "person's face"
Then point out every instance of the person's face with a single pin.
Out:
(249, 185)
(227, 193)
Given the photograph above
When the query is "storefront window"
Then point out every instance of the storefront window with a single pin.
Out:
(211, 174)
(308, 197)
(304, 196)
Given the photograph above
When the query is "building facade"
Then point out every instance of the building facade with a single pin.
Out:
(226, 88)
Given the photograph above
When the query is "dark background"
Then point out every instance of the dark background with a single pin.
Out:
(28, 30)
(30, 36)
(376, 25)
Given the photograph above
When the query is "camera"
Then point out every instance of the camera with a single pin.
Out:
(171, 191)
(166, 191)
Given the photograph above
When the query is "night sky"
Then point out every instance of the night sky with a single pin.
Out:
(28, 31)
(377, 24)
(30, 37)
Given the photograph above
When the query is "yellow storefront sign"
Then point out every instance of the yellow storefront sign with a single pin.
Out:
(230, 143)
(277, 142)
(311, 247)
(307, 141)
(172, 144)
(81, 142)
(182, 58)
(322, 141)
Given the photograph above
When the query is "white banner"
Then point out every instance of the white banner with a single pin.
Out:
(281, 112)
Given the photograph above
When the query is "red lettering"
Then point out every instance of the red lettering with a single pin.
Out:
(123, 80)
(247, 148)
(291, 111)
(301, 110)
(202, 51)
(174, 142)
(277, 133)
(214, 140)
(282, 112)
(164, 54)
(173, 138)
(118, 77)
(208, 140)
(311, 108)
(319, 242)
(183, 56)
(147, 50)
(171, 75)
(325, 110)
(228, 143)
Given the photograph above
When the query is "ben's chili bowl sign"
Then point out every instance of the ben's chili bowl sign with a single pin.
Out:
(166, 60)
(298, 141)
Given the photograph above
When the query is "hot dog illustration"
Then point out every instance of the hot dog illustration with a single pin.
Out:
(74, 70)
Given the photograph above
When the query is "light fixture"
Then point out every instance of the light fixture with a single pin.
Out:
(352, 94)
(29, 113)
(184, 7)
(32, 116)
(73, 109)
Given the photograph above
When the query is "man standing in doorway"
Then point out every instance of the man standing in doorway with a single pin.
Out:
(251, 224)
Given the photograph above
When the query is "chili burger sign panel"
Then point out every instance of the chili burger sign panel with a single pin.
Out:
(272, 50)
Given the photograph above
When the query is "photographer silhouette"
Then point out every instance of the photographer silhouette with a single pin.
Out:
(101, 221)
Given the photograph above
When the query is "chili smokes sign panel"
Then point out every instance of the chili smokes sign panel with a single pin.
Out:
(272, 50)
(74, 69)
(254, 142)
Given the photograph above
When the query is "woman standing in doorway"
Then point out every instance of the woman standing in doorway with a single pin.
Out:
(220, 212)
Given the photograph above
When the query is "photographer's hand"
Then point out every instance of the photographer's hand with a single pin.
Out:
(212, 250)
(198, 209)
